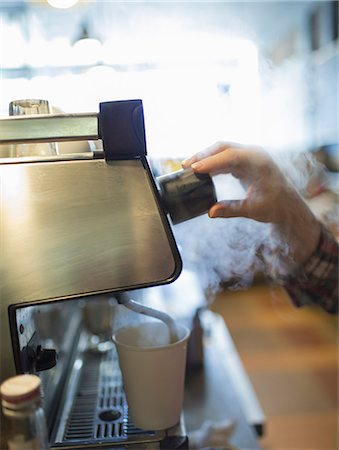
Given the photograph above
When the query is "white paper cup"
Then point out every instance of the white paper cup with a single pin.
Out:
(153, 372)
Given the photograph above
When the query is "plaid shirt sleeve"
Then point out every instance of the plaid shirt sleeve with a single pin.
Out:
(317, 281)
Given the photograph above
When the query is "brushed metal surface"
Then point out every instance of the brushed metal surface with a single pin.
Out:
(49, 128)
(79, 227)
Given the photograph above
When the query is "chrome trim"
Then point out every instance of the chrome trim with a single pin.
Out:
(49, 128)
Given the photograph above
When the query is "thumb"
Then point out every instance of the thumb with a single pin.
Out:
(229, 208)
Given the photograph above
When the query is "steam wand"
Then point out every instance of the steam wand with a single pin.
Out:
(123, 299)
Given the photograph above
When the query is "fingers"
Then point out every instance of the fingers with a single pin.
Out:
(229, 208)
(226, 161)
(244, 163)
(209, 151)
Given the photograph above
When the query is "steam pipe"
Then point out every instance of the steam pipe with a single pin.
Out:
(123, 299)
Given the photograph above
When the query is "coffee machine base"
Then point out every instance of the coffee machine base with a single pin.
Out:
(82, 387)
(94, 411)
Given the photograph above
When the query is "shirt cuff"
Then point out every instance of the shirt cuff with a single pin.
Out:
(316, 281)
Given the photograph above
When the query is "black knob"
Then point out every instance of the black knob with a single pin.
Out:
(45, 359)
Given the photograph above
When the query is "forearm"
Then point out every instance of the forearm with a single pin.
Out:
(298, 228)
(304, 256)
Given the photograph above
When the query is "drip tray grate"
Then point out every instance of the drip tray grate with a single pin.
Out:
(99, 411)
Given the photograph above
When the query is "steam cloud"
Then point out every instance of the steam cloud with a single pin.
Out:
(234, 250)
(222, 250)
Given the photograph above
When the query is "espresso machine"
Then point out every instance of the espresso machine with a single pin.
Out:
(75, 230)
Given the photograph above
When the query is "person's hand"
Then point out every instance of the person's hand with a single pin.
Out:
(257, 173)
(270, 197)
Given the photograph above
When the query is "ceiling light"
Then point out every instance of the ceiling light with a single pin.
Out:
(62, 4)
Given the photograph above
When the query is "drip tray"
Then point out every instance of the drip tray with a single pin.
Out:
(95, 411)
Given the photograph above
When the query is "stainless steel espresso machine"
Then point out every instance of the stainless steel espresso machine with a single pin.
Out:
(75, 230)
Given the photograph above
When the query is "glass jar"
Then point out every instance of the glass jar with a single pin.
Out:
(25, 419)
(31, 107)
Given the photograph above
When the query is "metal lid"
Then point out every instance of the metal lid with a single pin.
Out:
(20, 389)
(186, 194)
